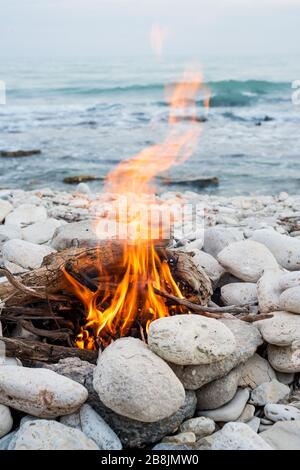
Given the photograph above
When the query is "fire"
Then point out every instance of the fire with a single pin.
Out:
(121, 304)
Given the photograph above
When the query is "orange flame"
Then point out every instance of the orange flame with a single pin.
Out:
(111, 313)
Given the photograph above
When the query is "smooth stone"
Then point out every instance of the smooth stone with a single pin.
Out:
(284, 359)
(40, 392)
(41, 232)
(26, 214)
(288, 280)
(281, 330)
(256, 371)
(190, 339)
(239, 293)
(286, 379)
(127, 377)
(247, 260)
(170, 447)
(73, 368)
(9, 232)
(6, 421)
(72, 420)
(50, 435)
(290, 300)
(10, 361)
(237, 436)
(5, 209)
(25, 254)
(277, 412)
(247, 339)
(135, 434)
(200, 426)
(6, 440)
(229, 412)
(268, 290)
(75, 234)
(209, 264)
(285, 249)
(217, 238)
(219, 392)
(247, 414)
(97, 429)
(269, 392)
(14, 268)
(283, 435)
(181, 438)
(254, 424)
(83, 188)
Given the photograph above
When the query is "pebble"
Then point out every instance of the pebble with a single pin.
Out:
(219, 392)
(190, 339)
(256, 371)
(200, 426)
(247, 260)
(25, 254)
(26, 214)
(229, 412)
(283, 435)
(290, 300)
(127, 377)
(285, 249)
(277, 412)
(268, 290)
(41, 232)
(181, 438)
(6, 421)
(96, 429)
(217, 238)
(269, 392)
(284, 359)
(281, 330)
(239, 293)
(209, 264)
(40, 392)
(5, 209)
(50, 435)
(237, 436)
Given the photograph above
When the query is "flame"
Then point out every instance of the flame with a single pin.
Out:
(121, 304)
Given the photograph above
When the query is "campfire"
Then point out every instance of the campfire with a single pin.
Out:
(82, 299)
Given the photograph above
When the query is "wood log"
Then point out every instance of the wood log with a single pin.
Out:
(43, 352)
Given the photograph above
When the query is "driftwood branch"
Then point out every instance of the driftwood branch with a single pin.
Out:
(42, 352)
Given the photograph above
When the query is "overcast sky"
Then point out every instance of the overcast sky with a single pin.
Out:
(60, 28)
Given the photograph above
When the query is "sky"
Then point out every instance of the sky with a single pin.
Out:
(82, 28)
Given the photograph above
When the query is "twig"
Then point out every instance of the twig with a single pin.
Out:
(254, 318)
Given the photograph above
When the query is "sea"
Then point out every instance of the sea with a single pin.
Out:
(87, 115)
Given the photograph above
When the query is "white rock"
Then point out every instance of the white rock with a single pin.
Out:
(5, 209)
(290, 300)
(25, 254)
(283, 435)
(50, 435)
(6, 421)
(254, 423)
(217, 393)
(247, 260)
(6, 440)
(41, 232)
(239, 293)
(281, 330)
(286, 379)
(278, 412)
(182, 438)
(229, 412)
(14, 268)
(256, 371)
(26, 214)
(284, 359)
(40, 392)
(200, 426)
(237, 436)
(96, 428)
(129, 375)
(285, 249)
(217, 238)
(72, 420)
(209, 264)
(9, 232)
(78, 234)
(247, 414)
(268, 290)
(269, 392)
(83, 188)
(190, 339)
(288, 280)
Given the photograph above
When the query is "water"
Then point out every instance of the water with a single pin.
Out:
(88, 115)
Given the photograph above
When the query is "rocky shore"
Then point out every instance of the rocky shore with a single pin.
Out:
(198, 383)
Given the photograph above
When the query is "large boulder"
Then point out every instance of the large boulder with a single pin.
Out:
(247, 260)
(39, 392)
(190, 339)
(132, 381)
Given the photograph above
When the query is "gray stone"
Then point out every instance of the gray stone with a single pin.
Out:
(229, 412)
(73, 368)
(75, 234)
(278, 412)
(289, 300)
(190, 339)
(239, 293)
(129, 375)
(269, 392)
(254, 423)
(284, 359)
(219, 392)
(26, 214)
(284, 435)
(25, 254)
(217, 238)
(256, 371)
(236, 436)
(181, 438)
(247, 339)
(41, 232)
(200, 426)
(97, 429)
(167, 446)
